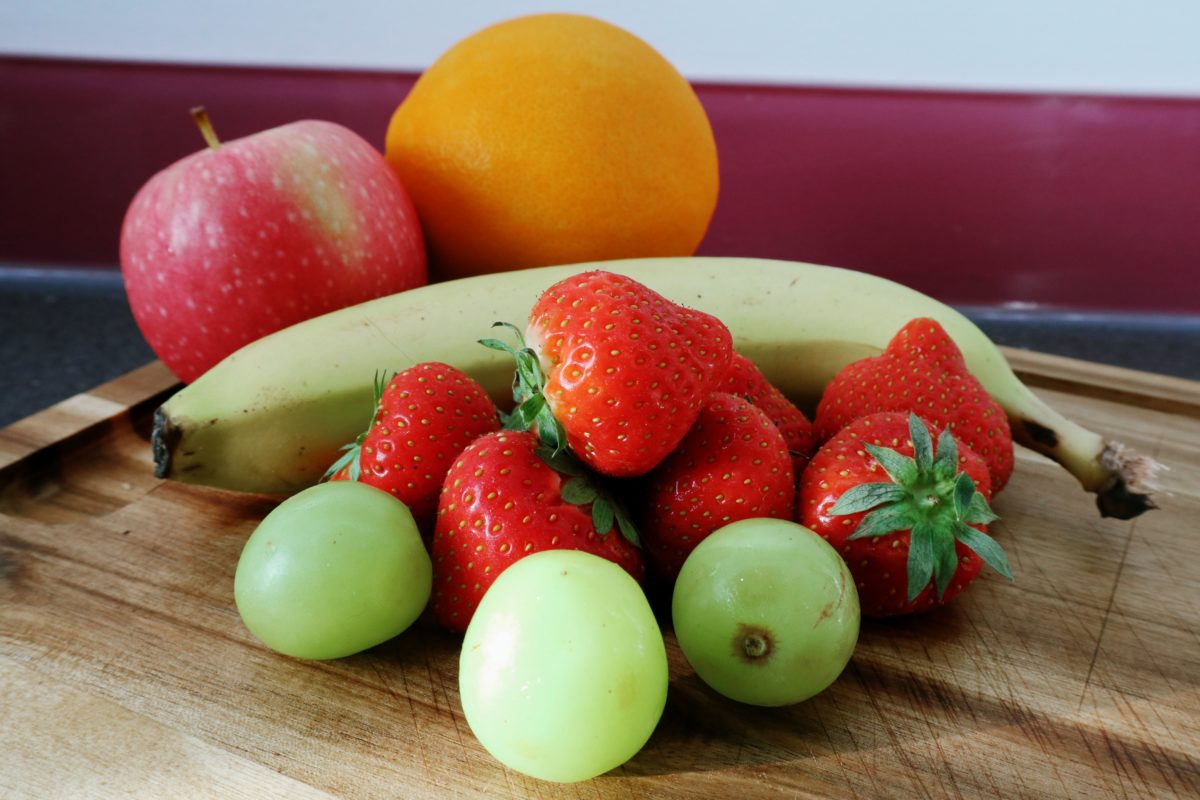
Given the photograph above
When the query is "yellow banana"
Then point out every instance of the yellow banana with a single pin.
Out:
(271, 417)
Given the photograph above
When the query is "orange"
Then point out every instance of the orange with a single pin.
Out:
(553, 139)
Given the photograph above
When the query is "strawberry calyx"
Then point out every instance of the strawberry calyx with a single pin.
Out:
(581, 488)
(351, 452)
(531, 411)
(930, 497)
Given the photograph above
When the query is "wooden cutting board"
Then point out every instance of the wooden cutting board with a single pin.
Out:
(126, 672)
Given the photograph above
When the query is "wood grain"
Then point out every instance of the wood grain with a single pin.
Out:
(125, 670)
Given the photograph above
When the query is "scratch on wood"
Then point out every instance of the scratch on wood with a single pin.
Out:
(897, 745)
(1161, 758)
(10, 571)
(412, 706)
(1112, 597)
(837, 753)
(449, 706)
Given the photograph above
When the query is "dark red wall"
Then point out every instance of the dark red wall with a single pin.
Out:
(1087, 202)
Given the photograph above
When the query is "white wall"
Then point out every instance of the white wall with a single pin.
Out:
(1133, 47)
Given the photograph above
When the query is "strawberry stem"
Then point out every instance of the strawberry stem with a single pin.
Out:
(353, 450)
(532, 411)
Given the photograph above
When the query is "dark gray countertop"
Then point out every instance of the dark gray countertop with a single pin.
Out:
(65, 331)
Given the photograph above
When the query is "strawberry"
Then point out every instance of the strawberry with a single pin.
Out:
(910, 524)
(615, 371)
(505, 497)
(733, 464)
(424, 417)
(745, 380)
(923, 371)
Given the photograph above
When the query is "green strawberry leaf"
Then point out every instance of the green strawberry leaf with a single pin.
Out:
(945, 465)
(902, 469)
(579, 492)
(496, 344)
(866, 496)
(529, 379)
(979, 512)
(560, 461)
(945, 559)
(964, 491)
(532, 410)
(985, 547)
(523, 386)
(549, 430)
(382, 379)
(603, 515)
(920, 559)
(350, 454)
(628, 530)
(581, 489)
(922, 444)
(525, 415)
(887, 519)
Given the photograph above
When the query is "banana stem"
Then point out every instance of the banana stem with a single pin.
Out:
(1121, 479)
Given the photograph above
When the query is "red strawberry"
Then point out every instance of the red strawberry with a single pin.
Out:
(625, 370)
(745, 380)
(924, 538)
(922, 370)
(733, 464)
(505, 497)
(423, 419)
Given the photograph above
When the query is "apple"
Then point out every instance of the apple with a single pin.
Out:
(249, 236)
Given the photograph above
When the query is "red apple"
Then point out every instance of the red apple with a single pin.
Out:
(249, 236)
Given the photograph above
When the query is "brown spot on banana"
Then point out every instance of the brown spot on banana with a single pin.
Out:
(1121, 479)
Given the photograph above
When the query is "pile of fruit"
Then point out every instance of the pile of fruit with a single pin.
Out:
(533, 489)
(639, 448)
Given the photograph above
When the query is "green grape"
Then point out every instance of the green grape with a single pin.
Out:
(563, 672)
(331, 571)
(766, 612)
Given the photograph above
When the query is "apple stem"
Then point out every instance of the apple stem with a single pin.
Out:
(200, 115)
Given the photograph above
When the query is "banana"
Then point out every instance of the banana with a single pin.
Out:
(271, 416)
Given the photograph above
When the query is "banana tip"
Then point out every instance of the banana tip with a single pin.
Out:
(163, 439)
(1133, 481)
